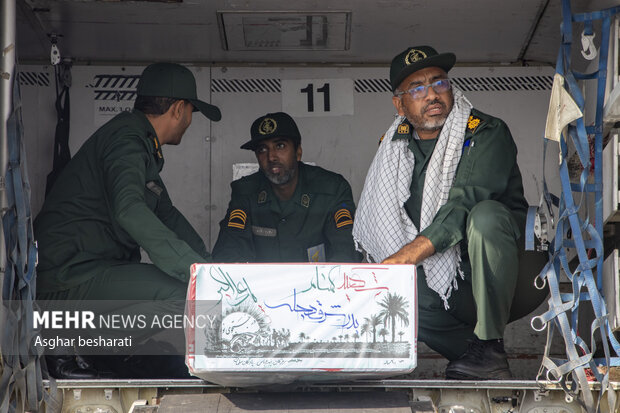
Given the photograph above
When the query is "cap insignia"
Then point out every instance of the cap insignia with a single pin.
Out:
(414, 55)
(343, 218)
(267, 126)
(237, 219)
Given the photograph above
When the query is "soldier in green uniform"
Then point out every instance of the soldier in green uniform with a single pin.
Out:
(445, 193)
(110, 200)
(288, 211)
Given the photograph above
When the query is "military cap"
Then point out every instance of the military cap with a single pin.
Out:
(272, 125)
(172, 80)
(416, 58)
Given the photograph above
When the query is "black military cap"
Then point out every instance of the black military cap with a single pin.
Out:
(272, 125)
(172, 80)
(416, 58)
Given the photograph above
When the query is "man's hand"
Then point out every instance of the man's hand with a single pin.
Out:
(413, 253)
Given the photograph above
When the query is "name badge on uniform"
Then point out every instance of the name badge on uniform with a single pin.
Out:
(316, 253)
(154, 188)
(264, 232)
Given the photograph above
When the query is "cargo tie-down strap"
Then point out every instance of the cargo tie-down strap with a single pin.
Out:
(62, 154)
(574, 228)
(21, 387)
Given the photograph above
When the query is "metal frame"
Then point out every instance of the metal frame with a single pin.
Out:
(7, 71)
(385, 384)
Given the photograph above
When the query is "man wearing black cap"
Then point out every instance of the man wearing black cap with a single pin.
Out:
(444, 192)
(288, 211)
(110, 200)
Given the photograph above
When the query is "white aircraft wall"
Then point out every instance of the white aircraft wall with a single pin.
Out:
(198, 172)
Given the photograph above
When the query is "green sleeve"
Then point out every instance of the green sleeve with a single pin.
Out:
(124, 164)
(174, 220)
(338, 227)
(484, 173)
(235, 242)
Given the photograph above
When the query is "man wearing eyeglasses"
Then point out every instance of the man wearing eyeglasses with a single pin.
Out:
(444, 193)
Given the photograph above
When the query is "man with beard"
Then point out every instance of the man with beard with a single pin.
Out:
(444, 193)
(288, 211)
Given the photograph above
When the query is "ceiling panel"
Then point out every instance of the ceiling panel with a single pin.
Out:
(478, 31)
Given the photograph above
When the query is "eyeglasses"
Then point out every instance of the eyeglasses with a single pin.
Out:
(419, 92)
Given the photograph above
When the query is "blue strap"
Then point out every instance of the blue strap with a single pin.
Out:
(585, 232)
(20, 384)
(529, 228)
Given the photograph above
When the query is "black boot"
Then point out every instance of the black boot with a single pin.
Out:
(483, 360)
(70, 367)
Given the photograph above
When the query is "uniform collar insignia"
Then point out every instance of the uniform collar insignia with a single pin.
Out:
(262, 197)
(473, 122)
(157, 147)
(305, 200)
(403, 129)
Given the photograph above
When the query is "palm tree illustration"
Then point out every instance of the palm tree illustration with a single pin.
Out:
(302, 336)
(400, 335)
(394, 307)
(373, 321)
(383, 332)
(365, 329)
(356, 335)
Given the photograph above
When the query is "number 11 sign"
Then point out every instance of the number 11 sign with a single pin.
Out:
(317, 97)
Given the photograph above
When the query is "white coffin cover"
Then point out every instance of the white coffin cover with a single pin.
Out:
(279, 323)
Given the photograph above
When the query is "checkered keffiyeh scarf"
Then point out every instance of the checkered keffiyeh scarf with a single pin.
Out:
(382, 226)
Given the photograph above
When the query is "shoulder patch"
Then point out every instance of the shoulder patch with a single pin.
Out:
(237, 219)
(343, 217)
(473, 122)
